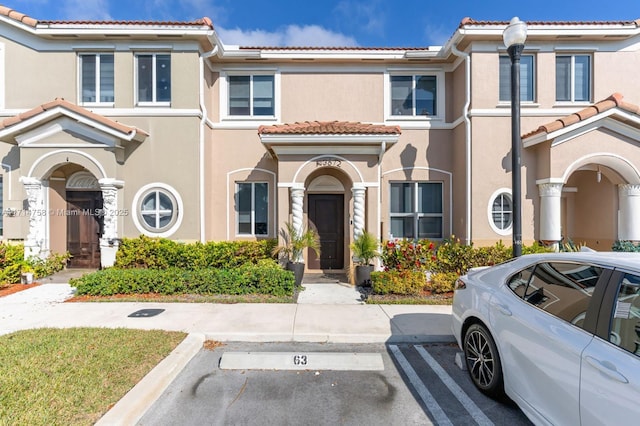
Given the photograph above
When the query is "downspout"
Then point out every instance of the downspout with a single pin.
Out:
(204, 120)
(467, 120)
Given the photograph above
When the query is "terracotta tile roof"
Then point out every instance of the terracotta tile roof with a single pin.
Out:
(21, 17)
(613, 101)
(329, 128)
(59, 102)
(17, 16)
(471, 21)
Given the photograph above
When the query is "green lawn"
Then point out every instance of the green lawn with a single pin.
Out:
(73, 376)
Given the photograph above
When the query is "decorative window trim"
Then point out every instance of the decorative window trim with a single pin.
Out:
(440, 95)
(98, 86)
(253, 209)
(137, 213)
(496, 194)
(153, 102)
(224, 96)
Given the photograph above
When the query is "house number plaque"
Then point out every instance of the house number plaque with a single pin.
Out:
(328, 163)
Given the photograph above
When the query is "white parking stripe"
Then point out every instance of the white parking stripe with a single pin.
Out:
(435, 409)
(456, 390)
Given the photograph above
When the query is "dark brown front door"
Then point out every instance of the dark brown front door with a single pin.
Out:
(84, 228)
(326, 215)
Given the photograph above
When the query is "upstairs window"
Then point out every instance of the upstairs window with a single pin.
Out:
(416, 210)
(251, 95)
(414, 95)
(526, 79)
(154, 78)
(573, 78)
(96, 79)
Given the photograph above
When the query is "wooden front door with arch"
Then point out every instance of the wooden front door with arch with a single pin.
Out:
(84, 226)
(326, 215)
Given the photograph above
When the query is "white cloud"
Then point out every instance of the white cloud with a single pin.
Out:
(291, 35)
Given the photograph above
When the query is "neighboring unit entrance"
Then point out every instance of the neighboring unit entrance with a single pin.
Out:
(326, 214)
(84, 226)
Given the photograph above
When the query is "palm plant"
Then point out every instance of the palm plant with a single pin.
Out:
(294, 242)
(365, 248)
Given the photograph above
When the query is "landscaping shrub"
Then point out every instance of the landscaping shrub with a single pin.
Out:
(442, 282)
(265, 277)
(13, 264)
(161, 253)
(408, 255)
(404, 282)
(627, 246)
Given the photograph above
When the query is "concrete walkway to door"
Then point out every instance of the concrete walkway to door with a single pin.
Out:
(328, 289)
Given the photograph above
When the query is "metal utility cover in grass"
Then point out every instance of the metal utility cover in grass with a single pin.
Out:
(301, 361)
(146, 313)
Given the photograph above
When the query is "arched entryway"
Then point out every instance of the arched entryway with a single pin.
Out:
(84, 220)
(326, 214)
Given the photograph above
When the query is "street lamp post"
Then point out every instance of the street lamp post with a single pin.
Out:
(514, 37)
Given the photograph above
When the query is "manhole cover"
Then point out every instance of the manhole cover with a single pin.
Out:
(144, 313)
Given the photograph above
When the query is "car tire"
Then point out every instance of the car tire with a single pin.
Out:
(483, 361)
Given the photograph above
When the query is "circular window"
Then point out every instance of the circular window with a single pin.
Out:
(157, 210)
(501, 211)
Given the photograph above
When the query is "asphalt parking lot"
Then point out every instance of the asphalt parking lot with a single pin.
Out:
(413, 384)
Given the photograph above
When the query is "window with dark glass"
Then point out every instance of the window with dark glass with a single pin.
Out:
(526, 79)
(416, 210)
(563, 289)
(573, 78)
(502, 211)
(625, 319)
(97, 78)
(414, 95)
(252, 206)
(158, 210)
(251, 95)
(154, 78)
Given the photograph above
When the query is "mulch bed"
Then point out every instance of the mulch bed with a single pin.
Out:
(8, 289)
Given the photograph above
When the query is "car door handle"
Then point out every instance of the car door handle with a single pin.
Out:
(502, 309)
(609, 372)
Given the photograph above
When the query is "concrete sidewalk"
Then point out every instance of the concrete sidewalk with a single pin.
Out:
(250, 322)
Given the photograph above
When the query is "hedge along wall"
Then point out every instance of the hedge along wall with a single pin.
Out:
(161, 253)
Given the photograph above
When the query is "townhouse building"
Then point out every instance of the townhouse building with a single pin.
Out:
(116, 129)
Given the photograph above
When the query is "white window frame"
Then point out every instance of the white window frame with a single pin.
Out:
(415, 214)
(98, 56)
(572, 78)
(154, 75)
(534, 72)
(253, 209)
(224, 95)
(440, 94)
(498, 193)
(136, 210)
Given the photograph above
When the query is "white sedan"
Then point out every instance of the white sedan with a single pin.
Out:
(559, 333)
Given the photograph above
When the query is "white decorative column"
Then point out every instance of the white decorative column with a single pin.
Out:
(34, 244)
(297, 201)
(358, 210)
(109, 241)
(628, 222)
(550, 212)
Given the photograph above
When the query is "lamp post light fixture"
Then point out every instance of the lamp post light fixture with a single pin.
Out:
(514, 37)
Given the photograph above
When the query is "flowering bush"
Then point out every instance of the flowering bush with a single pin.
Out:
(407, 255)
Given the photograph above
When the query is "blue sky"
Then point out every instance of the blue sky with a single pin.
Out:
(371, 23)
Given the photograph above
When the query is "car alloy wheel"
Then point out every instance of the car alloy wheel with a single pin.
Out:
(483, 361)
